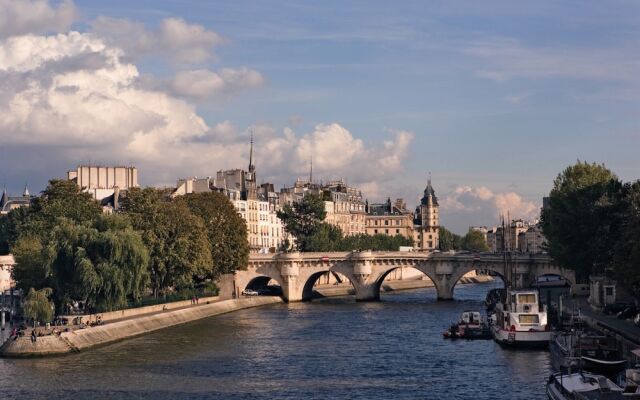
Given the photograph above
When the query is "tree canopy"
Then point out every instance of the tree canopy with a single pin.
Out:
(583, 219)
(225, 228)
(179, 248)
(627, 250)
(474, 241)
(449, 240)
(304, 219)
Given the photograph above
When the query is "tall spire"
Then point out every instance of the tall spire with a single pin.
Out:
(311, 170)
(3, 198)
(251, 166)
(25, 193)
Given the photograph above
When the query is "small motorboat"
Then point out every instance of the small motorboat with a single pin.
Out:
(470, 326)
(582, 386)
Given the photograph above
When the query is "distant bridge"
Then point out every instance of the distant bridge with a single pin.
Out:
(296, 273)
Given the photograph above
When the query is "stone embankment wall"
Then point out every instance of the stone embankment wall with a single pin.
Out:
(133, 312)
(81, 339)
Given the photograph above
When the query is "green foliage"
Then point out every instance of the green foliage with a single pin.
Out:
(449, 240)
(37, 306)
(326, 238)
(226, 231)
(176, 238)
(627, 251)
(474, 241)
(582, 222)
(304, 219)
(103, 265)
(61, 199)
(32, 269)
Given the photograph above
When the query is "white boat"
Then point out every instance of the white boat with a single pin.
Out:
(582, 386)
(519, 322)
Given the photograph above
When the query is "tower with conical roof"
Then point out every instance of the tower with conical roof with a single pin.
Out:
(427, 220)
(25, 192)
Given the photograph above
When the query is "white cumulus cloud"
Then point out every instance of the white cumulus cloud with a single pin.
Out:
(202, 83)
(19, 17)
(473, 206)
(175, 38)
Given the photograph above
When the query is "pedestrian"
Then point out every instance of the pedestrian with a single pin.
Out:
(197, 300)
(34, 337)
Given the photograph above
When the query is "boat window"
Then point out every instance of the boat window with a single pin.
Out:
(528, 319)
(527, 298)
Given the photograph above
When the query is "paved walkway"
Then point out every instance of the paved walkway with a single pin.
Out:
(625, 328)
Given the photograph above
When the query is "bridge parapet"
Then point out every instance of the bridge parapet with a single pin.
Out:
(296, 272)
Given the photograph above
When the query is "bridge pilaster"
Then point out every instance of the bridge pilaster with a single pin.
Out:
(290, 271)
(366, 290)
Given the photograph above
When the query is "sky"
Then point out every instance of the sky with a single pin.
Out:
(492, 98)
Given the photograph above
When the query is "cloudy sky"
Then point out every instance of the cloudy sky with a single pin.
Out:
(493, 98)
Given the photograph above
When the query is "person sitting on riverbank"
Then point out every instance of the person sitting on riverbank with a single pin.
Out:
(34, 336)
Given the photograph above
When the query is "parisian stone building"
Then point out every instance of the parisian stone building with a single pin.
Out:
(389, 219)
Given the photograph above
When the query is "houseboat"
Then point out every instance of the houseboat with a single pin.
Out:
(519, 322)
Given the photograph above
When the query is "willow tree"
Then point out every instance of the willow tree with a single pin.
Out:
(37, 306)
(104, 265)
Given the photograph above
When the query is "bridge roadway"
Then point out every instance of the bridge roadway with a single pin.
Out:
(296, 273)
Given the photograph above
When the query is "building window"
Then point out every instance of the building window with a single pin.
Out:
(397, 230)
(386, 231)
(397, 222)
(375, 231)
(386, 222)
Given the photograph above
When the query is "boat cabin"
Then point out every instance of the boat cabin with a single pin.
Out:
(471, 318)
(522, 312)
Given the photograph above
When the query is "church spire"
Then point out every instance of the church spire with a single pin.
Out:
(4, 198)
(26, 193)
(251, 166)
(311, 170)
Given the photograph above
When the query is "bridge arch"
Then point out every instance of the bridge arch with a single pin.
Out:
(380, 280)
(261, 285)
(308, 291)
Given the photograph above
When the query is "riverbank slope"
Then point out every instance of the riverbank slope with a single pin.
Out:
(81, 339)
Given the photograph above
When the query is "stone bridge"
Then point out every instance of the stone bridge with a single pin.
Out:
(296, 273)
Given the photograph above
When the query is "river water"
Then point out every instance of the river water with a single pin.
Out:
(327, 349)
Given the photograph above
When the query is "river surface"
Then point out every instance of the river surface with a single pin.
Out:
(327, 349)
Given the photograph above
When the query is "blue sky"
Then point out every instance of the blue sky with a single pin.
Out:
(496, 97)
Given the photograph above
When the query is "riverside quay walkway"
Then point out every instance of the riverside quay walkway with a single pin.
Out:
(296, 273)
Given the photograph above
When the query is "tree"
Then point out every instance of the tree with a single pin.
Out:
(303, 219)
(226, 231)
(449, 240)
(32, 269)
(176, 238)
(627, 251)
(37, 306)
(327, 237)
(474, 241)
(583, 219)
(61, 199)
(104, 265)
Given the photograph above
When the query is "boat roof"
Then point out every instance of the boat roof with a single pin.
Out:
(584, 382)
